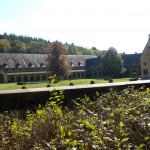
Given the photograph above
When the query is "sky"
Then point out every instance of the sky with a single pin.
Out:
(122, 24)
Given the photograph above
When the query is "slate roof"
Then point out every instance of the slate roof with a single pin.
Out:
(13, 60)
(93, 63)
(131, 58)
(79, 60)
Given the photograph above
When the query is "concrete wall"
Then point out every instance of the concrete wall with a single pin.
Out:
(23, 98)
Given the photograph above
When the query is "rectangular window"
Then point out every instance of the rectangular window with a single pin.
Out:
(145, 72)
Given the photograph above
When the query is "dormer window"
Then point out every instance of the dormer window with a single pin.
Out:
(41, 64)
(4, 64)
(79, 64)
(18, 64)
(71, 63)
(30, 64)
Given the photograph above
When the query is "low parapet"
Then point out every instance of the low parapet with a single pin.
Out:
(23, 98)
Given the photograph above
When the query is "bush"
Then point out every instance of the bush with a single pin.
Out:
(110, 81)
(71, 84)
(133, 79)
(116, 120)
(48, 85)
(23, 87)
(92, 82)
(20, 83)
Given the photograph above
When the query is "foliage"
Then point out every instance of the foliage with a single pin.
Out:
(92, 82)
(72, 49)
(112, 63)
(116, 120)
(57, 60)
(27, 44)
(4, 46)
(37, 47)
(22, 44)
(17, 47)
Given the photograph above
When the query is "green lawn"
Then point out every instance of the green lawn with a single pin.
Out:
(12, 86)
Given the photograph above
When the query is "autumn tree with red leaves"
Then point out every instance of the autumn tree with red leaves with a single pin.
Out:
(57, 60)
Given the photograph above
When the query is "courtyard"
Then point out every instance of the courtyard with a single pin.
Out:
(43, 84)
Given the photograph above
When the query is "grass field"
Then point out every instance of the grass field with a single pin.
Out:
(12, 86)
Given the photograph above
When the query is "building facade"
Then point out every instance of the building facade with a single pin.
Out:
(33, 67)
(132, 64)
(145, 61)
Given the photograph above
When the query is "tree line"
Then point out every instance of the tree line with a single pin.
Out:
(22, 44)
(11, 43)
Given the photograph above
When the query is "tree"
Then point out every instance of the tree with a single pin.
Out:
(100, 53)
(94, 48)
(37, 47)
(57, 60)
(88, 52)
(4, 46)
(112, 63)
(72, 49)
(18, 47)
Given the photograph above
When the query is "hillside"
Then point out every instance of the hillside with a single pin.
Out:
(23, 44)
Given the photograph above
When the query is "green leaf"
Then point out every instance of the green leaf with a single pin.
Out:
(146, 138)
(124, 140)
(121, 124)
(74, 143)
(141, 145)
(111, 114)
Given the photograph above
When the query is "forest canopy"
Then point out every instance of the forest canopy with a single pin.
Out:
(11, 43)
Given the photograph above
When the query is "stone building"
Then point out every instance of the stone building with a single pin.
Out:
(132, 64)
(32, 67)
(145, 61)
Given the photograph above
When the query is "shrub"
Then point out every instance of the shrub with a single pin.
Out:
(133, 79)
(48, 85)
(71, 84)
(20, 83)
(23, 87)
(92, 82)
(110, 81)
(117, 120)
